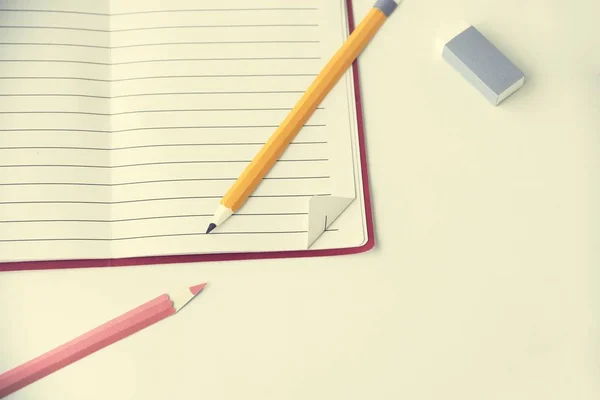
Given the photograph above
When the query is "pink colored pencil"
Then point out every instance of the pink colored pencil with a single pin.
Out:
(96, 339)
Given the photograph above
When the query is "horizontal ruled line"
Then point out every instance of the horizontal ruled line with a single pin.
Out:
(209, 127)
(148, 164)
(154, 128)
(90, 46)
(293, 196)
(150, 111)
(56, 61)
(53, 11)
(149, 146)
(215, 59)
(160, 77)
(209, 93)
(218, 10)
(141, 237)
(287, 178)
(53, 95)
(66, 28)
(160, 11)
(147, 218)
(157, 236)
(70, 78)
(56, 112)
(146, 94)
(148, 28)
(161, 44)
(55, 130)
(163, 60)
(218, 43)
(214, 76)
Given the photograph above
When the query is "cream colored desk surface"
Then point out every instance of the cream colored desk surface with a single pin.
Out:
(485, 283)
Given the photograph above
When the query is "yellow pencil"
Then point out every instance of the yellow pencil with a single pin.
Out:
(306, 106)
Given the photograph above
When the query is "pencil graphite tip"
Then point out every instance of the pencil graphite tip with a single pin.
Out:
(211, 228)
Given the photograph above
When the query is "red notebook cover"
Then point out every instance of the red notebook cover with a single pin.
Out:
(95, 263)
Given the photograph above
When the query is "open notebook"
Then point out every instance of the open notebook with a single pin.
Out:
(123, 123)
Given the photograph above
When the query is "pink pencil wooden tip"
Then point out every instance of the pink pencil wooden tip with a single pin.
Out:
(197, 289)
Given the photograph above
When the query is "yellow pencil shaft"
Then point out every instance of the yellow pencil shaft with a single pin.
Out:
(301, 113)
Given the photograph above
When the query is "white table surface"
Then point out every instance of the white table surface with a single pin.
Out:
(485, 282)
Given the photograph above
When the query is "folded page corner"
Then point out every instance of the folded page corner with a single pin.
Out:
(322, 212)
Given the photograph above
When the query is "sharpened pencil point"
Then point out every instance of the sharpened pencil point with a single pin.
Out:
(197, 289)
(211, 228)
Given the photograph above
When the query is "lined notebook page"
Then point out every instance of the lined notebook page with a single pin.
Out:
(197, 88)
(54, 130)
